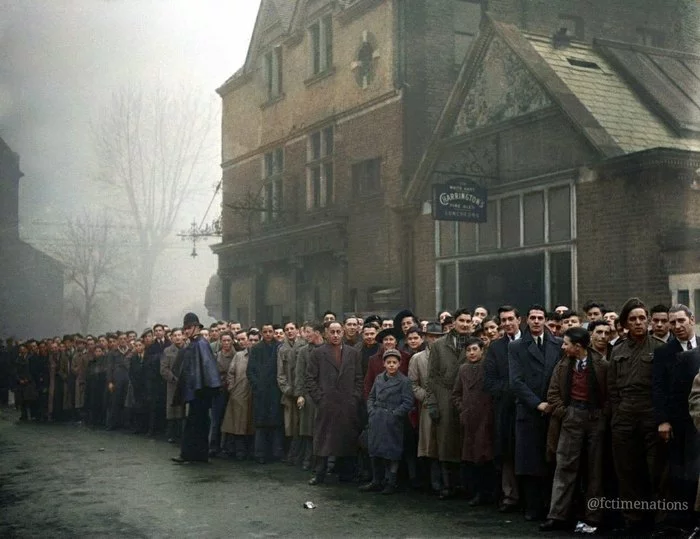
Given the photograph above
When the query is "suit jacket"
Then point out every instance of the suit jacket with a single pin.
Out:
(664, 358)
(497, 383)
(530, 373)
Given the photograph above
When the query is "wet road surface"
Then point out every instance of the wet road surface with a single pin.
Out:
(55, 481)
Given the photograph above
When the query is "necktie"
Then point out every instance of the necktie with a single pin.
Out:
(690, 345)
(539, 342)
(580, 365)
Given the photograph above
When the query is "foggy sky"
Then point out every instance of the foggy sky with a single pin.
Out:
(60, 61)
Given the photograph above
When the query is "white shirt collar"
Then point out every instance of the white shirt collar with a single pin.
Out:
(516, 336)
(693, 341)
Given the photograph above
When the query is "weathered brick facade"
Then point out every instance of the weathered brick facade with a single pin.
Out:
(376, 250)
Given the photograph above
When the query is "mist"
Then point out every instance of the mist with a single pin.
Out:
(60, 63)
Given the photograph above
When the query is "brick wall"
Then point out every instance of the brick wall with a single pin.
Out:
(621, 224)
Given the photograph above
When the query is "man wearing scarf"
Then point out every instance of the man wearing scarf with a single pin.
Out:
(268, 416)
(446, 356)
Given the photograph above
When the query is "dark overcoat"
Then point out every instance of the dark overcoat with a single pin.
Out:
(262, 377)
(388, 404)
(443, 370)
(530, 374)
(475, 407)
(337, 392)
(496, 382)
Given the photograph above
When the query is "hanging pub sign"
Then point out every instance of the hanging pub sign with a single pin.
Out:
(459, 200)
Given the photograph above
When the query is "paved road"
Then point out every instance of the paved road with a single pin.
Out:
(56, 482)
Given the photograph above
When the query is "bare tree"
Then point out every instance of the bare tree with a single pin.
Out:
(153, 148)
(89, 249)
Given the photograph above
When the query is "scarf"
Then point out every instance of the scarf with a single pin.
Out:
(460, 340)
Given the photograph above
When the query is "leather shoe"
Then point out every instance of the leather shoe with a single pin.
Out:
(552, 525)
(508, 508)
(178, 460)
(316, 480)
(476, 500)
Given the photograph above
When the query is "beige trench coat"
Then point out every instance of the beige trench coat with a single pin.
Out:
(167, 362)
(79, 368)
(418, 374)
(286, 378)
(238, 419)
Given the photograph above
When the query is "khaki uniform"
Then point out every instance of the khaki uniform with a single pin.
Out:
(635, 440)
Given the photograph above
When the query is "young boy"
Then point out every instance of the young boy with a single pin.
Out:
(390, 400)
(476, 417)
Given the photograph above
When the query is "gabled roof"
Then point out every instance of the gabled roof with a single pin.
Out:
(271, 13)
(578, 79)
(667, 80)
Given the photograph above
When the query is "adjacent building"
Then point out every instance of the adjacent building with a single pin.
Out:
(347, 112)
(31, 294)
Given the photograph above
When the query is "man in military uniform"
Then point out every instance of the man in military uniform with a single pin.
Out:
(635, 441)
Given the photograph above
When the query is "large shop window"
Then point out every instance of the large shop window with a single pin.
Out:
(523, 254)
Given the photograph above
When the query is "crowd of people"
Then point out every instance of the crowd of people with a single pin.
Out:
(581, 421)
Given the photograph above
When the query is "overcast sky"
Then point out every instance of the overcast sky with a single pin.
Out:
(60, 61)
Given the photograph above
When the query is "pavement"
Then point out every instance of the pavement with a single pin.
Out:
(59, 480)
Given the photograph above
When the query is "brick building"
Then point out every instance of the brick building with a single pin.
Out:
(333, 128)
(589, 152)
(31, 295)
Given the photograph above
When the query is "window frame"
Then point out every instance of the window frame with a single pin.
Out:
(320, 172)
(272, 189)
(366, 181)
(273, 73)
(321, 46)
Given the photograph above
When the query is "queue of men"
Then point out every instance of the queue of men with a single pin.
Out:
(537, 414)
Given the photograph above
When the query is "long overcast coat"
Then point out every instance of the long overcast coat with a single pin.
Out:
(262, 376)
(530, 374)
(238, 419)
(418, 374)
(170, 373)
(390, 400)
(337, 393)
(442, 373)
(307, 415)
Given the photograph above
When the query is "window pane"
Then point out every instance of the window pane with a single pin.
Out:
(328, 173)
(448, 277)
(315, 31)
(510, 222)
(488, 231)
(328, 38)
(447, 238)
(328, 141)
(316, 146)
(696, 299)
(560, 278)
(467, 237)
(278, 161)
(684, 297)
(533, 208)
(559, 214)
(515, 280)
(268, 165)
(316, 186)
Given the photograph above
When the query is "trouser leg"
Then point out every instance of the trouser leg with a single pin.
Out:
(509, 481)
(435, 475)
(571, 440)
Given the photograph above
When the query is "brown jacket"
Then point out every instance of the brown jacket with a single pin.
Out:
(559, 394)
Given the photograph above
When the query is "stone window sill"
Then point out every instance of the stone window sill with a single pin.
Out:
(272, 101)
(320, 76)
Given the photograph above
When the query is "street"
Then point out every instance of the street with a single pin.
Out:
(68, 481)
